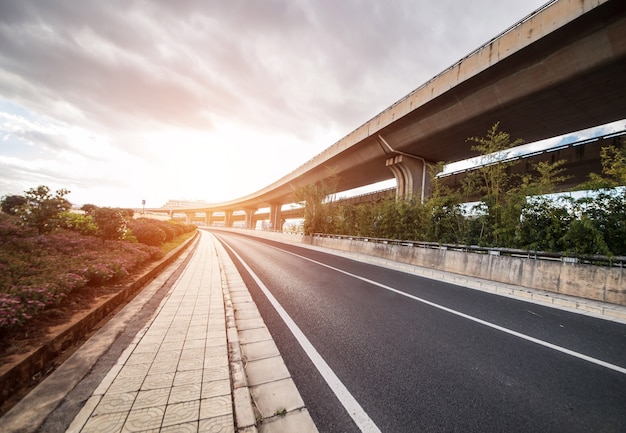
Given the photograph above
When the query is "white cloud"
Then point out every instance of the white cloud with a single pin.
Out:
(212, 100)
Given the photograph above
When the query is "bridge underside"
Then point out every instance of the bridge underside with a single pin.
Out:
(560, 71)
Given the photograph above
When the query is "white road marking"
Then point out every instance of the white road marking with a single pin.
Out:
(362, 420)
(472, 318)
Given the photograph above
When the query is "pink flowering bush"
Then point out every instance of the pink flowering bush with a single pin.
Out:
(39, 271)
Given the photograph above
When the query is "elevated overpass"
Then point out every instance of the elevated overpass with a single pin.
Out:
(559, 70)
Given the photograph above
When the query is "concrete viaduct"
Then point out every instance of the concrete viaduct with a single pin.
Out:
(559, 70)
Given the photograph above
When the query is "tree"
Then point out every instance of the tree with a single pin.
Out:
(494, 183)
(318, 202)
(544, 224)
(11, 204)
(42, 209)
(89, 209)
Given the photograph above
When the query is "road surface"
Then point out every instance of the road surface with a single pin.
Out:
(373, 349)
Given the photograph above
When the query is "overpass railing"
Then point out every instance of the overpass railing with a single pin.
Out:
(598, 260)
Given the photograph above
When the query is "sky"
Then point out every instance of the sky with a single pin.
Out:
(124, 101)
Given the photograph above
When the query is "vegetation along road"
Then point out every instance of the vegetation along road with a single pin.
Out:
(373, 349)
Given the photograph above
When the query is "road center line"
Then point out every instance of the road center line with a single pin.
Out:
(468, 317)
(354, 409)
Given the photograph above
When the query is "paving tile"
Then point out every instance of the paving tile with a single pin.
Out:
(169, 366)
(299, 421)
(172, 345)
(260, 350)
(218, 341)
(266, 370)
(194, 344)
(276, 396)
(215, 388)
(147, 347)
(254, 335)
(179, 394)
(216, 334)
(125, 384)
(189, 427)
(218, 424)
(111, 422)
(134, 370)
(144, 419)
(250, 323)
(215, 373)
(190, 364)
(194, 353)
(197, 329)
(180, 413)
(219, 350)
(160, 380)
(188, 377)
(215, 361)
(141, 358)
(151, 398)
(216, 406)
(111, 403)
(219, 328)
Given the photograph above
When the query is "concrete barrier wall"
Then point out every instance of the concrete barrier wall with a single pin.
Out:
(585, 281)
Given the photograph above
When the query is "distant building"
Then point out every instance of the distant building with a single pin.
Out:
(182, 204)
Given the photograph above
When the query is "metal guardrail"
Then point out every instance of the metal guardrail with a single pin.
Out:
(598, 260)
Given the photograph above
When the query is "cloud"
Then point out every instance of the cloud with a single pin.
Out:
(269, 83)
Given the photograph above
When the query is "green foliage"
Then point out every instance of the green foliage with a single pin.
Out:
(544, 224)
(111, 223)
(11, 204)
(83, 224)
(317, 200)
(42, 208)
(513, 210)
(89, 209)
(155, 232)
(613, 169)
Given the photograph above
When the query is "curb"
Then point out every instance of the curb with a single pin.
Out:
(265, 398)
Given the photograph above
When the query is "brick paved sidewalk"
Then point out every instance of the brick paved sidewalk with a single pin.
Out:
(174, 376)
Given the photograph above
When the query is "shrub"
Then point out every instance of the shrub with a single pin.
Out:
(83, 224)
(148, 233)
(37, 271)
(155, 232)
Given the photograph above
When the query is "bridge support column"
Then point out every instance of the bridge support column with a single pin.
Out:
(275, 218)
(188, 217)
(228, 218)
(411, 176)
(250, 221)
(208, 218)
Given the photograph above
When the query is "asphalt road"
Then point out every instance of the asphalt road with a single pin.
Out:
(419, 355)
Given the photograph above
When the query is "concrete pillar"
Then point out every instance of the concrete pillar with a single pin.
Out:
(188, 217)
(250, 221)
(228, 218)
(275, 219)
(411, 176)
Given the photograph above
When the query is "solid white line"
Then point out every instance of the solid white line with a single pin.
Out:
(358, 415)
(472, 318)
